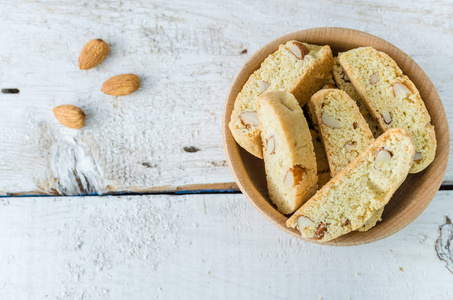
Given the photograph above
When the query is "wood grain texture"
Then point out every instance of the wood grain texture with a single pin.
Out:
(415, 193)
(186, 54)
(202, 247)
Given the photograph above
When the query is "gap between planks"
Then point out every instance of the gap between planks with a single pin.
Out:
(212, 188)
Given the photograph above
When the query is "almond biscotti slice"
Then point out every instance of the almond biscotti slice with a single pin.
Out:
(289, 157)
(362, 187)
(296, 67)
(343, 83)
(392, 99)
(344, 132)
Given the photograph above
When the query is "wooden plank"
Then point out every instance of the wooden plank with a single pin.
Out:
(203, 246)
(186, 54)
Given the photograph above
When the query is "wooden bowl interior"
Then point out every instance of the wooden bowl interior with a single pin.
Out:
(410, 199)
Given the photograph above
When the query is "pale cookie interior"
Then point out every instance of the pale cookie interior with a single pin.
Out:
(289, 157)
(345, 142)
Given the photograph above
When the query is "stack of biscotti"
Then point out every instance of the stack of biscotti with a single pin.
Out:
(392, 99)
(344, 131)
(296, 67)
(349, 199)
(289, 157)
(336, 152)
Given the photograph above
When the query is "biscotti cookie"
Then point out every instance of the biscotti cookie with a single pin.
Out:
(344, 132)
(289, 157)
(296, 67)
(362, 187)
(343, 83)
(392, 99)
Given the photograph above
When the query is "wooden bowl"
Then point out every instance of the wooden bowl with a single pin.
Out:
(410, 199)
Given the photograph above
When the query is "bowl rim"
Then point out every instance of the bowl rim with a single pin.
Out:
(241, 176)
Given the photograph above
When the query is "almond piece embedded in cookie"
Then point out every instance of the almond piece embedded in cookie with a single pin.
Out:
(319, 234)
(304, 222)
(374, 79)
(295, 175)
(298, 50)
(418, 156)
(400, 90)
(383, 156)
(262, 86)
(387, 117)
(271, 145)
(350, 145)
(249, 119)
(329, 121)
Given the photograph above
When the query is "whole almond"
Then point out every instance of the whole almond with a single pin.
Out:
(70, 116)
(121, 85)
(93, 53)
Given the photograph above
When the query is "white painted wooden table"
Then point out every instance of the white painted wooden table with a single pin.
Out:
(164, 245)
